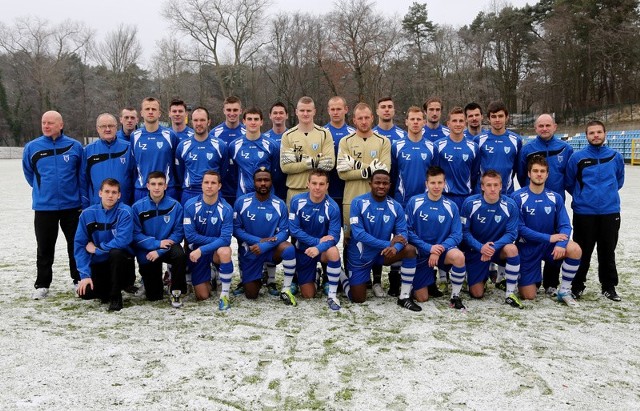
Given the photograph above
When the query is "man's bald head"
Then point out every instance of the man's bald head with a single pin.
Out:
(52, 124)
(545, 126)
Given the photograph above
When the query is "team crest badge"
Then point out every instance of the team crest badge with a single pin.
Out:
(498, 218)
(315, 146)
(424, 156)
(374, 153)
(507, 150)
(269, 216)
(66, 158)
(560, 158)
(209, 156)
(159, 144)
(321, 219)
(465, 157)
(167, 218)
(260, 154)
(386, 218)
(547, 210)
(214, 220)
(123, 160)
(441, 219)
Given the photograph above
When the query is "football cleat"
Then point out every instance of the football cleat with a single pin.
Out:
(513, 301)
(334, 304)
(223, 303)
(40, 293)
(409, 304)
(568, 299)
(239, 289)
(287, 297)
(456, 302)
(612, 294)
(176, 298)
(378, 291)
(273, 289)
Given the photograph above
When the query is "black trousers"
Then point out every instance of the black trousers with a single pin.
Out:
(109, 277)
(551, 275)
(151, 273)
(46, 227)
(589, 230)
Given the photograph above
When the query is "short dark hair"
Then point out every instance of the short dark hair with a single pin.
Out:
(595, 123)
(129, 108)
(472, 106)
(252, 110)
(178, 102)
(156, 174)
(539, 160)
(278, 104)
(496, 106)
(385, 98)
(110, 182)
(213, 173)
(262, 170)
(432, 100)
(319, 172)
(232, 100)
(380, 171)
(433, 171)
(490, 173)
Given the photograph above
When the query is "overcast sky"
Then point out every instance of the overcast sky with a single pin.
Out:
(103, 16)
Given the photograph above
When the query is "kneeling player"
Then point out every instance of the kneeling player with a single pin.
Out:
(544, 234)
(101, 247)
(435, 230)
(208, 226)
(314, 222)
(489, 228)
(261, 226)
(374, 219)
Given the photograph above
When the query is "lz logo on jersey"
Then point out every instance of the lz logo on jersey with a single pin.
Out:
(142, 145)
(244, 155)
(251, 217)
(407, 156)
(305, 217)
(488, 149)
(480, 218)
(371, 218)
(448, 157)
(193, 157)
(424, 217)
(531, 211)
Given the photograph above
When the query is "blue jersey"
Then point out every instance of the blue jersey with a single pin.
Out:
(104, 159)
(394, 134)
(107, 230)
(154, 152)
(594, 176)
(373, 224)
(185, 134)
(410, 160)
(226, 134)
(336, 184)
(557, 153)
(194, 157)
(541, 215)
(460, 163)
(433, 222)
(309, 222)
(435, 134)
(483, 222)
(499, 153)
(120, 134)
(52, 168)
(154, 223)
(279, 178)
(254, 220)
(208, 227)
(246, 156)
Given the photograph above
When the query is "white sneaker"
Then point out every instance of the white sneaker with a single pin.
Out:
(40, 293)
(378, 291)
(568, 299)
(141, 291)
(176, 298)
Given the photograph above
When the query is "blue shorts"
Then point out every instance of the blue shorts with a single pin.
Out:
(306, 267)
(424, 274)
(360, 272)
(200, 271)
(530, 258)
(478, 271)
(251, 264)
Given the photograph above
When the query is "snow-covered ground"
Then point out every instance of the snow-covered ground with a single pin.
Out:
(64, 353)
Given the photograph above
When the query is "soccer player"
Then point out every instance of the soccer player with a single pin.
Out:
(178, 115)
(129, 120)
(375, 218)
(544, 231)
(338, 127)
(154, 149)
(594, 176)
(305, 147)
(473, 117)
(411, 157)
(360, 154)
(489, 228)
(314, 222)
(197, 154)
(51, 164)
(386, 112)
(433, 130)
(227, 131)
(208, 226)
(261, 226)
(157, 235)
(458, 157)
(278, 115)
(102, 247)
(108, 156)
(499, 147)
(251, 151)
(557, 153)
(435, 230)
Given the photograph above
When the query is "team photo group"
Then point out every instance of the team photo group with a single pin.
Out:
(435, 201)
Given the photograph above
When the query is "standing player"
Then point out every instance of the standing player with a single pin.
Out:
(433, 130)
(386, 112)
(473, 118)
(157, 235)
(129, 120)
(305, 147)
(278, 116)
(435, 230)
(250, 152)
(261, 226)
(338, 109)
(489, 228)
(379, 236)
(178, 115)
(154, 149)
(227, 131)
(197, 154)
(499, 147)
(594, 176)
(544, 231)
(102, 247)
(51, 164)
(208, 226)
(314, 223)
